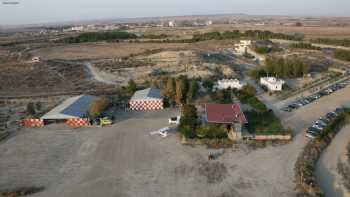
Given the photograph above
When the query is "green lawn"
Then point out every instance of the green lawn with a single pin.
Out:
(265, 123)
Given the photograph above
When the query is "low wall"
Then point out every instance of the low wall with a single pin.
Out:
(273, 137)
(75, 123)
(33, 123)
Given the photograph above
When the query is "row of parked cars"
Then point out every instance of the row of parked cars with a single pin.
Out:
(307, 100)
(320, 124)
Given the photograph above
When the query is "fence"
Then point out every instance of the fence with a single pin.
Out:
(273, 137)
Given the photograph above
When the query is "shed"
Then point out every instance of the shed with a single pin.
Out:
(73, 108)
(147, 99)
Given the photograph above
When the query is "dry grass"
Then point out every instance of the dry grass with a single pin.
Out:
(118, 50)
(308, 31)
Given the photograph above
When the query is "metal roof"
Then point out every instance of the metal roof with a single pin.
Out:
(75, 107)
(147, 94)
(225, 113)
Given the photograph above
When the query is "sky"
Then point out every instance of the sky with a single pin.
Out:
(43, 11)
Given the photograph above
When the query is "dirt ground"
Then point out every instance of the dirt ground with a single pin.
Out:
(117, 50)
(327, 175)
(124, 160)
(308, 31)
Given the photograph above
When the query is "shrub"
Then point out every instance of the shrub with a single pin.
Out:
(132, 87)
(208, 84)
(212, 131)
(342, 54)
(98, 106)
(31, 109)
(262, 49)
(188, 132)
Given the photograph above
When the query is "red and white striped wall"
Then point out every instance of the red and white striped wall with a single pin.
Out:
(142, 105)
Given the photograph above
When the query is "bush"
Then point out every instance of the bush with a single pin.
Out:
(132, 87)
(98, 107)
(208, 84)
(262, 49)
(31, 109)
(303, 45)
(342, 54)
(188, 132)
(222, 96)
(212, 131)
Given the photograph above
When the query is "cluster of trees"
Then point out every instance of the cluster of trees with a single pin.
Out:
(247, 96)
(180, 90)
(303, 45)
(100, 36)
(329, 41)
(189, 121)
(265, 35)
(191, 127)
(155, 36)
(342, 54)
(257, 34)
(282, 68)
(98, 106)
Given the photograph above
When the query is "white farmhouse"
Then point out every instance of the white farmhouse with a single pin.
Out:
(272, 83)
(242, 47)
(208, 23)
(230, 83)
(78, 28)
(172, 24)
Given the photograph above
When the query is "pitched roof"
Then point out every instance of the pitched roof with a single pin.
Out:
(75, 107)
(147, 94)
(225, 113)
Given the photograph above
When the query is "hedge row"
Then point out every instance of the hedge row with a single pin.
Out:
(306, 163)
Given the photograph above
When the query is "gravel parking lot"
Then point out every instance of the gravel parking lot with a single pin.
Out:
(124, 160)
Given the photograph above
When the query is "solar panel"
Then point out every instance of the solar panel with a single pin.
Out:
(80, 107)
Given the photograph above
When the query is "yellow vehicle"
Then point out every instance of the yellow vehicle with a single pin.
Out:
(105, 121)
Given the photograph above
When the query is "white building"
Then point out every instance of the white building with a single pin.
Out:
(208, 23)
(272, 83)
(242, 47)
(172, 24)
(230, 83)
(77, 28)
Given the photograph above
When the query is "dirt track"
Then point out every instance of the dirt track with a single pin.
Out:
(326, 170)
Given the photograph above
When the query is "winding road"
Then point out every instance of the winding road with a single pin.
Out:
(326, 170)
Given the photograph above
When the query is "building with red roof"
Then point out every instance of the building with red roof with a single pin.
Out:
(225, 114)
(229, 114)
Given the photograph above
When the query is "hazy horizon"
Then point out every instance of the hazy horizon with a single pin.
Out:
(41, 11)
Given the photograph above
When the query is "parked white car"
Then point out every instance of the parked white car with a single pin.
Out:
(162, 132)
(174, 120)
